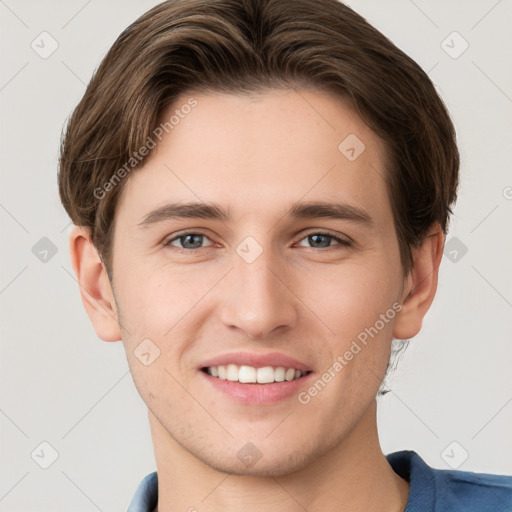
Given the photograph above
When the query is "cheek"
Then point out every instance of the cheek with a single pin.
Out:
(350, 296)
(346, 296)
(358, 303)
(154, 299)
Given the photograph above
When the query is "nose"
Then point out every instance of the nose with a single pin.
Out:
(258, 297)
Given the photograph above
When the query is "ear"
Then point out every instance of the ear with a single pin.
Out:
(420, 285)
(97, 296)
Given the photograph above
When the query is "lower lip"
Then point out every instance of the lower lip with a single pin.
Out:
(258, 394)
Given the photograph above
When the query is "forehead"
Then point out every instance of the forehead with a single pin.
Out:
(261, 152)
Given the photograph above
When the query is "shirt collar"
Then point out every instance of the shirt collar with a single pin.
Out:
(145, 498)
(411, 467)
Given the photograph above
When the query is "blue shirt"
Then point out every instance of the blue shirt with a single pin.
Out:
(431, 490)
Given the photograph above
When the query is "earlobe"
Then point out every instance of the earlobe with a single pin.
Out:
(420, 286)
(95, 289)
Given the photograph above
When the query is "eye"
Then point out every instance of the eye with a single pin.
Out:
(322, 240)
(187, 241)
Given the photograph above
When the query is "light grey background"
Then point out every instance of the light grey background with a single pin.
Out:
(60, 384)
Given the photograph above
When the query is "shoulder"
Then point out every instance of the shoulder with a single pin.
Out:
(473, 491)
(442, 490)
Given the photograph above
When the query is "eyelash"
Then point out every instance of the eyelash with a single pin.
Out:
(341, 241)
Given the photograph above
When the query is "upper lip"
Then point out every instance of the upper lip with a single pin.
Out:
(256, 360)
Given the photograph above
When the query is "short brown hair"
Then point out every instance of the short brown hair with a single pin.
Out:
(239, 46)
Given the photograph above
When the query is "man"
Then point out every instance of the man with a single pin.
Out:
(261, 191)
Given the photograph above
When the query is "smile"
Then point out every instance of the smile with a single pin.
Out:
(251, 375)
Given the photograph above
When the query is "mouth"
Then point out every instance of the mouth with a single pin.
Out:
(253, 378)
(255, 375)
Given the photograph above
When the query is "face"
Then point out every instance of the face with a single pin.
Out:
(274, 281)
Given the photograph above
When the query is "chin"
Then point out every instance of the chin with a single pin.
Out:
(277, 465)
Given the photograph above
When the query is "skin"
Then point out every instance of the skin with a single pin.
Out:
(258, 156)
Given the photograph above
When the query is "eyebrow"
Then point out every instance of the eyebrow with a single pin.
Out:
(303, 210)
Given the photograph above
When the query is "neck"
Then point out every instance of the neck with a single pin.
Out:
(352, 476)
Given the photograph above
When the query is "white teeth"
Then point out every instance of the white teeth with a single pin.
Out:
(290, 374)
(265, 375)
(249, 374)
(232, 372)
(279, 374)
